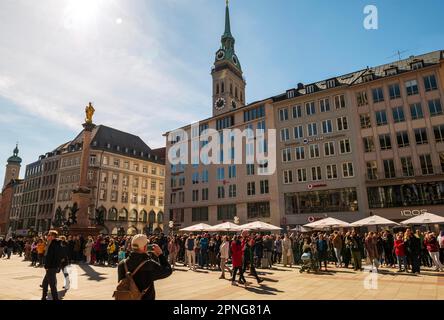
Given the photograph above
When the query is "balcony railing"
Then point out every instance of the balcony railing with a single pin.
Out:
(400, 174)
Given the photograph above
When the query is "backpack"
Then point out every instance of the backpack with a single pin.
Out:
(127, 288)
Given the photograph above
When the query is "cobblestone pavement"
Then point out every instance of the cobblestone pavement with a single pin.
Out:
(20, 281)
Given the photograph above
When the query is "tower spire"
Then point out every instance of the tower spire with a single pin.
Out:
(227, 32)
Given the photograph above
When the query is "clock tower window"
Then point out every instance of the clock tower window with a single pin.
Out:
(231, 88)
(235, 92)
(222, 90)
(217, 88)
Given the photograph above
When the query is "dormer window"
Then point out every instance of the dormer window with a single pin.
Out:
(367, 77)
(417, 65)
(134, 152)
(290, 94)
(118, 148)
(108, 145)
(126, 150)
(331, 83)
(94, 143)
(310, 89)
(391, 71)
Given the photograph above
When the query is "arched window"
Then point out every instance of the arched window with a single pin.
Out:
(102, 210)
(123, 215)
(151, 217)
(160, 217)
(144, 216)
(112, 214)
(222, 90)
(217, 88)
(133, 215)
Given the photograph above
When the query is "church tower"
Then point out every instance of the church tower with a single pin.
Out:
(13, 167)
(228, 82)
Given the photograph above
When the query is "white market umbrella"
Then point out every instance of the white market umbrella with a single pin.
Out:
(226, 226)
(197, 227)
(259, 226)
(425, 218)
(300, 229)
(327, 223)
(374, 221)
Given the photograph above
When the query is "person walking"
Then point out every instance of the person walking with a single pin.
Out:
(64, 261)
(337, 247)
(52, 265)
(354, 243)
(145, 268)
(400, 252)
(268, 250)
(287, 251)
(224, 251)
(236, 259)
(413, 246)
(248, 244)
(432, 245)
(173, 249)
(191, 252)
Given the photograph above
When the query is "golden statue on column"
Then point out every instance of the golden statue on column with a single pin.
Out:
(89, 110)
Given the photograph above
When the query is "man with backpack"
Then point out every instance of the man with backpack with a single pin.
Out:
(136, 274)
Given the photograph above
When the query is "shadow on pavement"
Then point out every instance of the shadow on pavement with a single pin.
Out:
(91, 273)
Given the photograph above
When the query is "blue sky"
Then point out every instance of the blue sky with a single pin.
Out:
(145, 64)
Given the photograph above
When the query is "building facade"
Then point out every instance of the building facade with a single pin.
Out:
(367, 142)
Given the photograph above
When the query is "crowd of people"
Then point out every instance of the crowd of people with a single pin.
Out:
(406, 250)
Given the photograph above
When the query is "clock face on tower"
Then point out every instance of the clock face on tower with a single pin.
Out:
(220, 54)
(219, 104)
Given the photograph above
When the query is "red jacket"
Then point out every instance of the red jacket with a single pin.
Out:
(432, 245)
(236, 254)
(400, 248)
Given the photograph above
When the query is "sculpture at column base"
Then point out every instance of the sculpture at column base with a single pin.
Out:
(82, 231)
(81, 189)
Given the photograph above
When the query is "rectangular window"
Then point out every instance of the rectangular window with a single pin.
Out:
(220, 173)
(312, 129)
(403, 139)
(114, 195)
(329, 149)
(439, 133)
(204, 176)
(411, 87)
(426, 164)
(297, 112)
(302, 175)
(342, 123)
(264, 186)
(298, 132)
(389, 169)
(199, 214)
(398, 114)
(286, 155)
(435, 107)
(195, 195)
(143, 198)
(232, 172)
(385, 142)
(369, 144)
(258, 210)
(394, 91)
(135, 182)
(283, 114)
(416, 111)
(251, 188)
(102, 194)
(287, 176)
(347, 170)
(332, 172)
(441, 160)
(339, 101)
(220, 192)
(407, 167)
(310, 108)
(232, 191)
(250, 169)
(421, 136)
(365, 121)
(224, 123)
(300, 153)
(251, 114)
(126, 165)
(327, 126)
(378, 95)
(361, 98)
(153, 185)
(226, 212)
(105, 160)
(430, 83)
(344, 146)
(324, 105)
(205, 194)
(125, 197)
(314, 151)
(316, 174)
(381, 118)
(285, 134)
(372, 170)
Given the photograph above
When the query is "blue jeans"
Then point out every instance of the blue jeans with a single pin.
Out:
(402, 259)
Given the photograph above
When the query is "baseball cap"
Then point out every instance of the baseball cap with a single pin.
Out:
(139, 241)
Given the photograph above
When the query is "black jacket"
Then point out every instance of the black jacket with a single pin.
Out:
(64, 255)
(53, 255)
(152, 270)
(413, 246)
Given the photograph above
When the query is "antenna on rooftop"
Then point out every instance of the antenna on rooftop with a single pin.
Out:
(398, 53)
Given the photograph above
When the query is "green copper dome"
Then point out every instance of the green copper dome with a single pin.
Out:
(15, 158)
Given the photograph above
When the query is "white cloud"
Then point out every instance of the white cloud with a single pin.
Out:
(52, 69)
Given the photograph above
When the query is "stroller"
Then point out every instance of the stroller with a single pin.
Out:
(309, 262)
